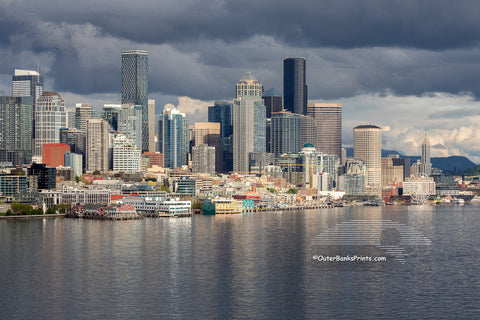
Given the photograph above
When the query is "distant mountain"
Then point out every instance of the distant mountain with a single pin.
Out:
(385, 153)
(453, 164)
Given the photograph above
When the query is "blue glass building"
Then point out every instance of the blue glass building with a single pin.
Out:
(173, 138)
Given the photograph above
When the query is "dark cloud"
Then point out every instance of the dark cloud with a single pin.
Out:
(454, 113)
(201, 48)
(431, 24)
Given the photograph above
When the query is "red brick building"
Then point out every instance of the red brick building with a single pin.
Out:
(156, 158)
(53, 154)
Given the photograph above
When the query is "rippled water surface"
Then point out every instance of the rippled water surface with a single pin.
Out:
(250, 266)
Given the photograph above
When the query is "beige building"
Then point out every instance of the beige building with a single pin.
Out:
(391, 174)
(98, 142)
(367, 146)
(328, 120)
(209, 133)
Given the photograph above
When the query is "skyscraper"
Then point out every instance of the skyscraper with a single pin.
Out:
(83, 112)
(27, 83)
(208, 133)
(173, 138)
(248, 121)
(425, 164)
(285, 133)
(308, 130)
(110, 114)
(203, 159)
(151, 125)
(367, 146)
(126, 157)
(135, 86)
(129, 122)
(328, 121)
(221, 112)
(273, 101)
(49, 119)
(294, 85)
(16, 130)
(98, 143)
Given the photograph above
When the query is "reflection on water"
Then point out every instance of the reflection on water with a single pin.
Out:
(255, 266)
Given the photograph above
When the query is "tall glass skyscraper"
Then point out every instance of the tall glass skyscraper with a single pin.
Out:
(173, 137)
(129, 123)
(16, 130)
(135, 86)
(28, 83)
(294, 85)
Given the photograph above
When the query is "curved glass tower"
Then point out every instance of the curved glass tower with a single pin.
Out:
(294, 85)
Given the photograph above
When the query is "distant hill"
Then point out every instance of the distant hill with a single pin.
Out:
(453, 164)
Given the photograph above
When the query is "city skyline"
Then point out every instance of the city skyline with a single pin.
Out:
(425, 82)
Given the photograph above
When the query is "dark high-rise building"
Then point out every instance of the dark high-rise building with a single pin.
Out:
(135, 86)
(294, 85)
(16, 130)
(221, 112)
(273, 101)
(110, 114)
(77, 140)
(47, 176)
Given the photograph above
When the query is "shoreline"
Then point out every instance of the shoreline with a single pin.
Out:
(36, 216)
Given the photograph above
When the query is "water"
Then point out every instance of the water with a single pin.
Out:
(250, 266)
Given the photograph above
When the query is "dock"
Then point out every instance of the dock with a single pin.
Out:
(167, 215)
(290, 208)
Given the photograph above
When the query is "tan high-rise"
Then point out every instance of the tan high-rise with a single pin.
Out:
(98, 142)
(208, 133)
(367, 146)
(328, 120)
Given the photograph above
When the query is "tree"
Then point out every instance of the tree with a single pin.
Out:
(77, 179)
(165, 188)
(292, 191)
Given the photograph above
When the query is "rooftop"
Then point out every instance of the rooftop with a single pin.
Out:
(367, 126)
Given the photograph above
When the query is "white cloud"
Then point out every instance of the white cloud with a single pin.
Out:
(451, 121)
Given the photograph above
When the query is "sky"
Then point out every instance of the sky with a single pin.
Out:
(410, 67)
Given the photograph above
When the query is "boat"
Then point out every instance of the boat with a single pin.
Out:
(475, 199)
(459, 201)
